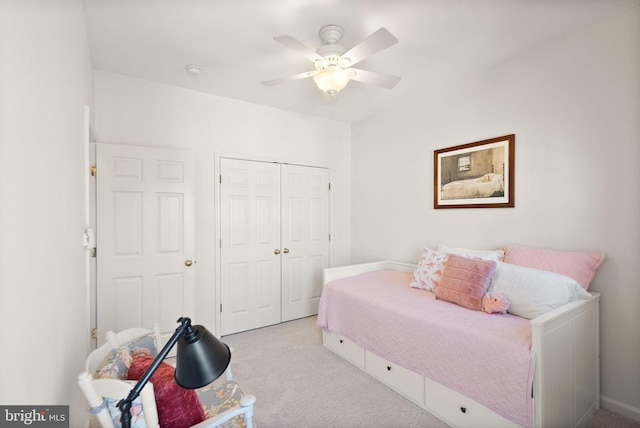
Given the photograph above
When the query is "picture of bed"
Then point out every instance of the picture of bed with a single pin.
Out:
(475, 175)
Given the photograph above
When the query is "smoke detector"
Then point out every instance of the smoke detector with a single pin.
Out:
(193, 70)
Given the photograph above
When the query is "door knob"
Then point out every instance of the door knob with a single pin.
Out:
(286, 250)
(188, 262)
(276, 251)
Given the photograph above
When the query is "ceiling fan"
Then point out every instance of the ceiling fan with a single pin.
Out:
(334, 63)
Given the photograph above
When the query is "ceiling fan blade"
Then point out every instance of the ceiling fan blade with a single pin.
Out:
(376, 42)
(298, 46)
(288, 79)
(386, 81)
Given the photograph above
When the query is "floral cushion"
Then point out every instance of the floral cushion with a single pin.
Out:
(137, 415)
(111, 404)
(115, 365)
(145, 345)
(429, 271)
(219, 397)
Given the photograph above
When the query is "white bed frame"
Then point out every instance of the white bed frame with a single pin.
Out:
(565, 346)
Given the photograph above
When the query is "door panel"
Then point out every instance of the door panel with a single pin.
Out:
(250, 232)
(145, 200)
(305, 234)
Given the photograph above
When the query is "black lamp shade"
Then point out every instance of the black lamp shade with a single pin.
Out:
(201, 358)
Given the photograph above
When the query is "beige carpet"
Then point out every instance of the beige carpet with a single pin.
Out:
(299, 383)
(607, 419)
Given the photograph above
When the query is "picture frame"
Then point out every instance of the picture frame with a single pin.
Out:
(475, 175)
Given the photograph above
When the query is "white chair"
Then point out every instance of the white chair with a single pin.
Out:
(95, 389)
(97, 356)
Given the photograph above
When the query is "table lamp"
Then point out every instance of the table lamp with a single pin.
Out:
(200, 359)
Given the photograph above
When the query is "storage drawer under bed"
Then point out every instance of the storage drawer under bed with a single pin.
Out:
(458, 410)
(344, 347)
(408, 383)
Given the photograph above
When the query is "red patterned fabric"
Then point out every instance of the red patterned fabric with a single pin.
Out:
(177, 407)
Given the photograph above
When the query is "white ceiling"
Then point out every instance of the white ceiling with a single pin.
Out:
(232, 42)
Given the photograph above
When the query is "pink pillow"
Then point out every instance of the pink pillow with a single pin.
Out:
(177, 407)
(580, 266)
(464, 281)
(429, 270)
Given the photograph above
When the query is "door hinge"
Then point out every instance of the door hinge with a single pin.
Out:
(94, 333)
(220, 307)
(329, 185)
(220, 178)
(94, 170)
(94, 252)
(329, 237)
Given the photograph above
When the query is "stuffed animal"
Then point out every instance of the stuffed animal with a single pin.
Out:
(495, 303)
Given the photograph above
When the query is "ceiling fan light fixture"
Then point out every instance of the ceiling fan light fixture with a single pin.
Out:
(332, 80)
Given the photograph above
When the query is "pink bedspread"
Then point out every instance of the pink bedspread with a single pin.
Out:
(485, 357)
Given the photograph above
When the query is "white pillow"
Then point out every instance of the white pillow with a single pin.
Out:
(497, 255)
(533, 292)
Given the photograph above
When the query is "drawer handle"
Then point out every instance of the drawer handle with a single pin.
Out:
(341, 341)
(463, 409)
(389, 368)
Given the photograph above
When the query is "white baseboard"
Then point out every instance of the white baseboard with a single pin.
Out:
(620, 408)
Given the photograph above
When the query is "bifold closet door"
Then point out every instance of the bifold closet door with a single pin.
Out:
(305, 238)
(249, 245)
(274, 228)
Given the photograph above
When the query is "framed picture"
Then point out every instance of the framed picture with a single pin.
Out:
(475, 175)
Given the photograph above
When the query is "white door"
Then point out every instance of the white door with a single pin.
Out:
(274, 228)
(249, 245)
(145, 237)
(305, 238)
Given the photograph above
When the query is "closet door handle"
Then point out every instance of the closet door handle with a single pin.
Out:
(286, 250)
(276, 251)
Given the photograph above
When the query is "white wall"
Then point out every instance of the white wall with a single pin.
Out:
(45, 81)
(138, 112)
(574, 105)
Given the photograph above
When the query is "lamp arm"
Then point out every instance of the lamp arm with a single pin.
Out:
(125, 404)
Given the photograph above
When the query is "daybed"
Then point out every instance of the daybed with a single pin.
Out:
(548, 365)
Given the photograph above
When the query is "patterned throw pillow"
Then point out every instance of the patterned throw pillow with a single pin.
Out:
(219, 397)
(145, 345)
(429, 271)
(137, 414)
(115, 365)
